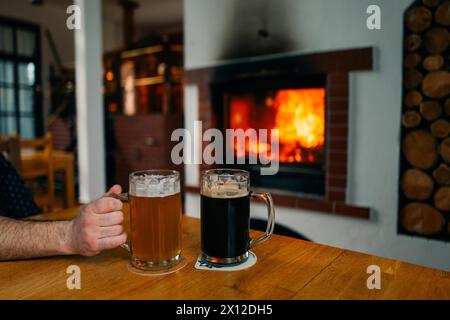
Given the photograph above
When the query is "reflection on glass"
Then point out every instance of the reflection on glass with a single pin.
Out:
(26, 127)
(128, 77)
(7, 100)
(6, 40)
(27, 73)
(31, 73)
(6, 72)
(26, 43)
(26, 100)
(10, 125)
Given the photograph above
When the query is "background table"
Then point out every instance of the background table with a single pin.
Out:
(286, 269)
(62, 162)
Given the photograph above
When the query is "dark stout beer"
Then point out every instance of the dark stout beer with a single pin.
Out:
(225, 219)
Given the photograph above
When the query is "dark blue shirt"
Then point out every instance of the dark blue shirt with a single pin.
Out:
(16, 201)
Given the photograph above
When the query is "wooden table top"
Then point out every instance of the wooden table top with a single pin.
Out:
(286, 269)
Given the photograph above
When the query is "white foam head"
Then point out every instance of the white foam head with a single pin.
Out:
(225, 184)
(149, 184)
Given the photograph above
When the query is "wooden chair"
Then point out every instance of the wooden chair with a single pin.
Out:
(10, 148)
(42, 167)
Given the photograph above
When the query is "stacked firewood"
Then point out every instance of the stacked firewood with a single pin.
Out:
(425, 166)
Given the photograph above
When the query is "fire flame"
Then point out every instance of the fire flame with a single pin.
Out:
(300, 118)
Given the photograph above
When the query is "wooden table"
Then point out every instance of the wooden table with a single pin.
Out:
(62, 162)
(286, 269)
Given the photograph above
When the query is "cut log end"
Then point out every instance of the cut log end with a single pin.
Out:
(417, 184)
(447, 107)
(418, 19)
(442, 174)
(442, 14)
(433, 63)
(440, 128)
(413, 99)
(421, 218)
(412, 79)
(411, 119)
(436, 84)
(413, 42)
(419, 148)
(412, 60)
(444, 150)
(437, 40)
(442, 198)
(430, 110)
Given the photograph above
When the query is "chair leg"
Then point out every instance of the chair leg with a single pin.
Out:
(51, 190)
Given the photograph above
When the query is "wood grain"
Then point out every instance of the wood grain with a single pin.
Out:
(286, 269)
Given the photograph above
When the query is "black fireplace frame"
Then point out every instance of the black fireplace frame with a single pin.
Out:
(298, 178)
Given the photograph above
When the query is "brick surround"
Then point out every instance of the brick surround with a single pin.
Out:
(336, 65)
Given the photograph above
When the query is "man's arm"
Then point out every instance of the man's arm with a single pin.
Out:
(98, 226)
(26, 239)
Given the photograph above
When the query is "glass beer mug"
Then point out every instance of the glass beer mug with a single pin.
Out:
(225, 216)
(155, 221)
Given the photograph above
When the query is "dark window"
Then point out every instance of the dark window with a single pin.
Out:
(20, 98)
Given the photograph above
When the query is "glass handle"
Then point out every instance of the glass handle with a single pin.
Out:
(124, 198)
(267, 198)
(126, 246)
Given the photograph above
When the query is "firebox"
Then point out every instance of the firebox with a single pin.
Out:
(293, 105)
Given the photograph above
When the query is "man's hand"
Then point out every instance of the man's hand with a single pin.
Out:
(98, 226)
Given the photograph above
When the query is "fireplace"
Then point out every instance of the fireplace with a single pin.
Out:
(296, 107)
(306, 97)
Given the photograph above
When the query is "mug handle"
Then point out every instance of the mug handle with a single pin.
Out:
(267, 198)
(124, 198)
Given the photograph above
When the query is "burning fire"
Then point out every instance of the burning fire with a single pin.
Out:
(301, 120)
(299, 114)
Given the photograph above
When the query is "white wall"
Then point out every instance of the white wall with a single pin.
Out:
(375, 103)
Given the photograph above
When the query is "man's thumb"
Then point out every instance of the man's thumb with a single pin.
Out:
(116, 189)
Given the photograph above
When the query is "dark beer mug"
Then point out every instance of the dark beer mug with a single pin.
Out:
(225, 216)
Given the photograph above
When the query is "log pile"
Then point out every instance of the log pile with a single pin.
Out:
(425, 148)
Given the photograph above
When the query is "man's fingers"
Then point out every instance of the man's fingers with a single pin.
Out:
(112, 242)
(110, 218)
(115, 189)
(105, 205)
(111, 231)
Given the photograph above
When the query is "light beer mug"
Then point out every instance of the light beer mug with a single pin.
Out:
(155, 222)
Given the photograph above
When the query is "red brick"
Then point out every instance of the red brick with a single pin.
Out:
(337, 78)
(338, 157)
(338, 104)
(336, 195)
(337, 182)
(334, 91)
(337, 169)
(338, 132)
(351, 211)
(337, 145)
(338, 119)
(284, 200)
(314, 205)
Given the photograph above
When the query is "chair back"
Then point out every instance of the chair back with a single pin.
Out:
(44, 144)
(10, 148)
(42, 164)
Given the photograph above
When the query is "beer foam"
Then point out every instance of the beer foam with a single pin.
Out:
(154, 186)
(224, 192)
